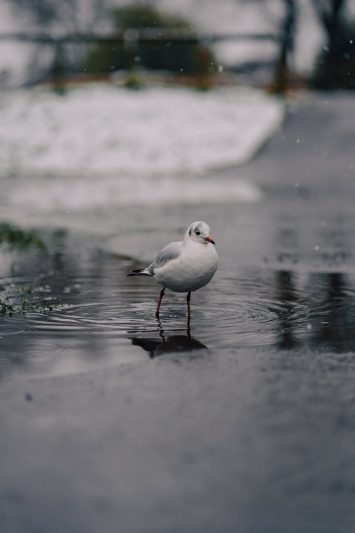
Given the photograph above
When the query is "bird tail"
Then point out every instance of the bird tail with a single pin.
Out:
(139, 272)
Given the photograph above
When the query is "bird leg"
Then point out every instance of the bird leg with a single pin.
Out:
(159, 302)
(188, 298)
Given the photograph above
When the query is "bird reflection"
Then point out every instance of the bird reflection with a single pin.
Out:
(165, 344)
(287, 296)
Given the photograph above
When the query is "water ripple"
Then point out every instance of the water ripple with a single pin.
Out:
(106, 313)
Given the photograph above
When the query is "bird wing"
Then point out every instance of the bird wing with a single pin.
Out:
(168, 253)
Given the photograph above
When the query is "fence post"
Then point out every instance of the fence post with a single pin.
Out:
(58, 68)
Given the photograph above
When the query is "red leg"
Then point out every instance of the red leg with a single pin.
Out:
(159, 302)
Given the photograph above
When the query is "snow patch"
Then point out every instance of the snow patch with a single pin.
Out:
(102, 129)
(100, 145)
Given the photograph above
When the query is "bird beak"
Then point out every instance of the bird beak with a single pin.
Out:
(209, 239)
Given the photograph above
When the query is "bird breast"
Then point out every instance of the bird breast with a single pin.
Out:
(193, 269)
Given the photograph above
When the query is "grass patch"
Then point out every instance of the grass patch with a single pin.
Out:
(18, 299)
(19, 239)
(6, 309)
(22, 306)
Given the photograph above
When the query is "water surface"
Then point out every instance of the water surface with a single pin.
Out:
(94, 316)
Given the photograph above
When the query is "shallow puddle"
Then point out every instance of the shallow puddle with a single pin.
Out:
(92, 316)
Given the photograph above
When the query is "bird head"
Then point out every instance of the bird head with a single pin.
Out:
(199, 232)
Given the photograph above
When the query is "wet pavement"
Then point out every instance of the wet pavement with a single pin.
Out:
(112, 421)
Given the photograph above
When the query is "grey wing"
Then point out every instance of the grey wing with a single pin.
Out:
(168, 253)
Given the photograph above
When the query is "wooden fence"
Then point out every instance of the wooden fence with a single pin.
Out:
(133, 37)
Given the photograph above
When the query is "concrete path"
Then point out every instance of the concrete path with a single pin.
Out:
(244, 441)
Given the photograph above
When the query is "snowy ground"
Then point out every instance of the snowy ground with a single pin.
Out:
(104, 129)
(145, 146)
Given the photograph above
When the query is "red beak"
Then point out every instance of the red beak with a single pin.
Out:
(209, 239)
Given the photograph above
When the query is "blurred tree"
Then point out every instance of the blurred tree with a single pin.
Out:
(335, 66)
(68, 15)
(285, 20)
(65, 16)
(178, 56)
(286, 46)
(283, 15)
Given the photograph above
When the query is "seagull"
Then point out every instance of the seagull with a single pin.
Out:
(184, 266)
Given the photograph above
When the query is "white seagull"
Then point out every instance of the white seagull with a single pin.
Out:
(184, 266)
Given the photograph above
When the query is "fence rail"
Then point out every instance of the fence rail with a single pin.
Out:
(141, 36)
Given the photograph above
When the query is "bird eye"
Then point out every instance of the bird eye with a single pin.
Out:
(197, 232)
